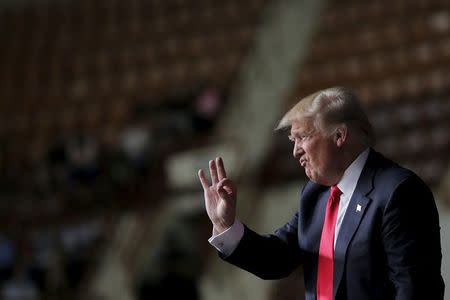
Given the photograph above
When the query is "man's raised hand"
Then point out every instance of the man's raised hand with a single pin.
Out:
(220, 196)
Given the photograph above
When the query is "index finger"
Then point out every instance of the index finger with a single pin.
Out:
(203, 179)
(220, 168)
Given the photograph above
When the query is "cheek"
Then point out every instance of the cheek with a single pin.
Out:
(314, 153)
(317, 157)
(327, 158)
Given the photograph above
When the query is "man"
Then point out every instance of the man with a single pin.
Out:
(366, 228)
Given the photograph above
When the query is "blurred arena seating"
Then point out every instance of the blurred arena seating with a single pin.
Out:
(71, 68)
(84, 84)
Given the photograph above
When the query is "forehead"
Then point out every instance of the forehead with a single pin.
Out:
(301, 127)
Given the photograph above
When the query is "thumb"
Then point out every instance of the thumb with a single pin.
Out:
(224, 188)
(222, 193)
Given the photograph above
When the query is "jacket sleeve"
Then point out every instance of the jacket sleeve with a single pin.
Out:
(411, 239)
(271, 256)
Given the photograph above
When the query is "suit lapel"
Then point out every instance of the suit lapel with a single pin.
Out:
(353, 216)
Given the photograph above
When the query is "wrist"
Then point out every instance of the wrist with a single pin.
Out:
(220, 227)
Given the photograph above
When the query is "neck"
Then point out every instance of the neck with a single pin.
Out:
(348, 156)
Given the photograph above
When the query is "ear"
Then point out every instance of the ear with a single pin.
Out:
(341, 135)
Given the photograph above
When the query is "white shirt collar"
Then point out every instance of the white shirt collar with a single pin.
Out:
(348, 182)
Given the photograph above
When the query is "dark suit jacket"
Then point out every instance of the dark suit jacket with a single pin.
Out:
(388, 246)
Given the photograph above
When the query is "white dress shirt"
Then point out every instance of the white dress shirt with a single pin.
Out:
(227, 241)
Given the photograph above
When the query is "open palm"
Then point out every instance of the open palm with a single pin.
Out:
(220, 196)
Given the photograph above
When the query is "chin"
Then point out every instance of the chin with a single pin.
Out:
(320, 181)
(314, 178)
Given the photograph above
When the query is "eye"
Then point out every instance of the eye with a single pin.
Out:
(298, 138)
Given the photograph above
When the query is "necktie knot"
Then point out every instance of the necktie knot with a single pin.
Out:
(335, 193)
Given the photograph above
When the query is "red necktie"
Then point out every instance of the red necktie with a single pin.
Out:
(326, 251)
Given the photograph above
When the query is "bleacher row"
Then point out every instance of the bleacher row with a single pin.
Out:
(150, 62)
(396, 56)
(372, 54)
(390, 35)
(347, 14)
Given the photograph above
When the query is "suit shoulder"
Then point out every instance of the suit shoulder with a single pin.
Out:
(389, 171)
(390, 175)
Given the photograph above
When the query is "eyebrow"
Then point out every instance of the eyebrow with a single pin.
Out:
(301, 132)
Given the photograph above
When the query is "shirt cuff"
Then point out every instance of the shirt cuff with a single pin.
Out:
(227, 241)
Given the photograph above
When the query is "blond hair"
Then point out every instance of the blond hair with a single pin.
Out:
(328, 108)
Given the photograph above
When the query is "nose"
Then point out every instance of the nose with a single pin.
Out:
(297, 152)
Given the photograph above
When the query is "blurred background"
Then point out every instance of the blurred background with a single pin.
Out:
(108, 108)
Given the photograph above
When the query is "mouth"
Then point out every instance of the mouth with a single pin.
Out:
(303, 162)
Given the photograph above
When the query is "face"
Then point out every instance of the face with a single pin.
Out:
(316, 152)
